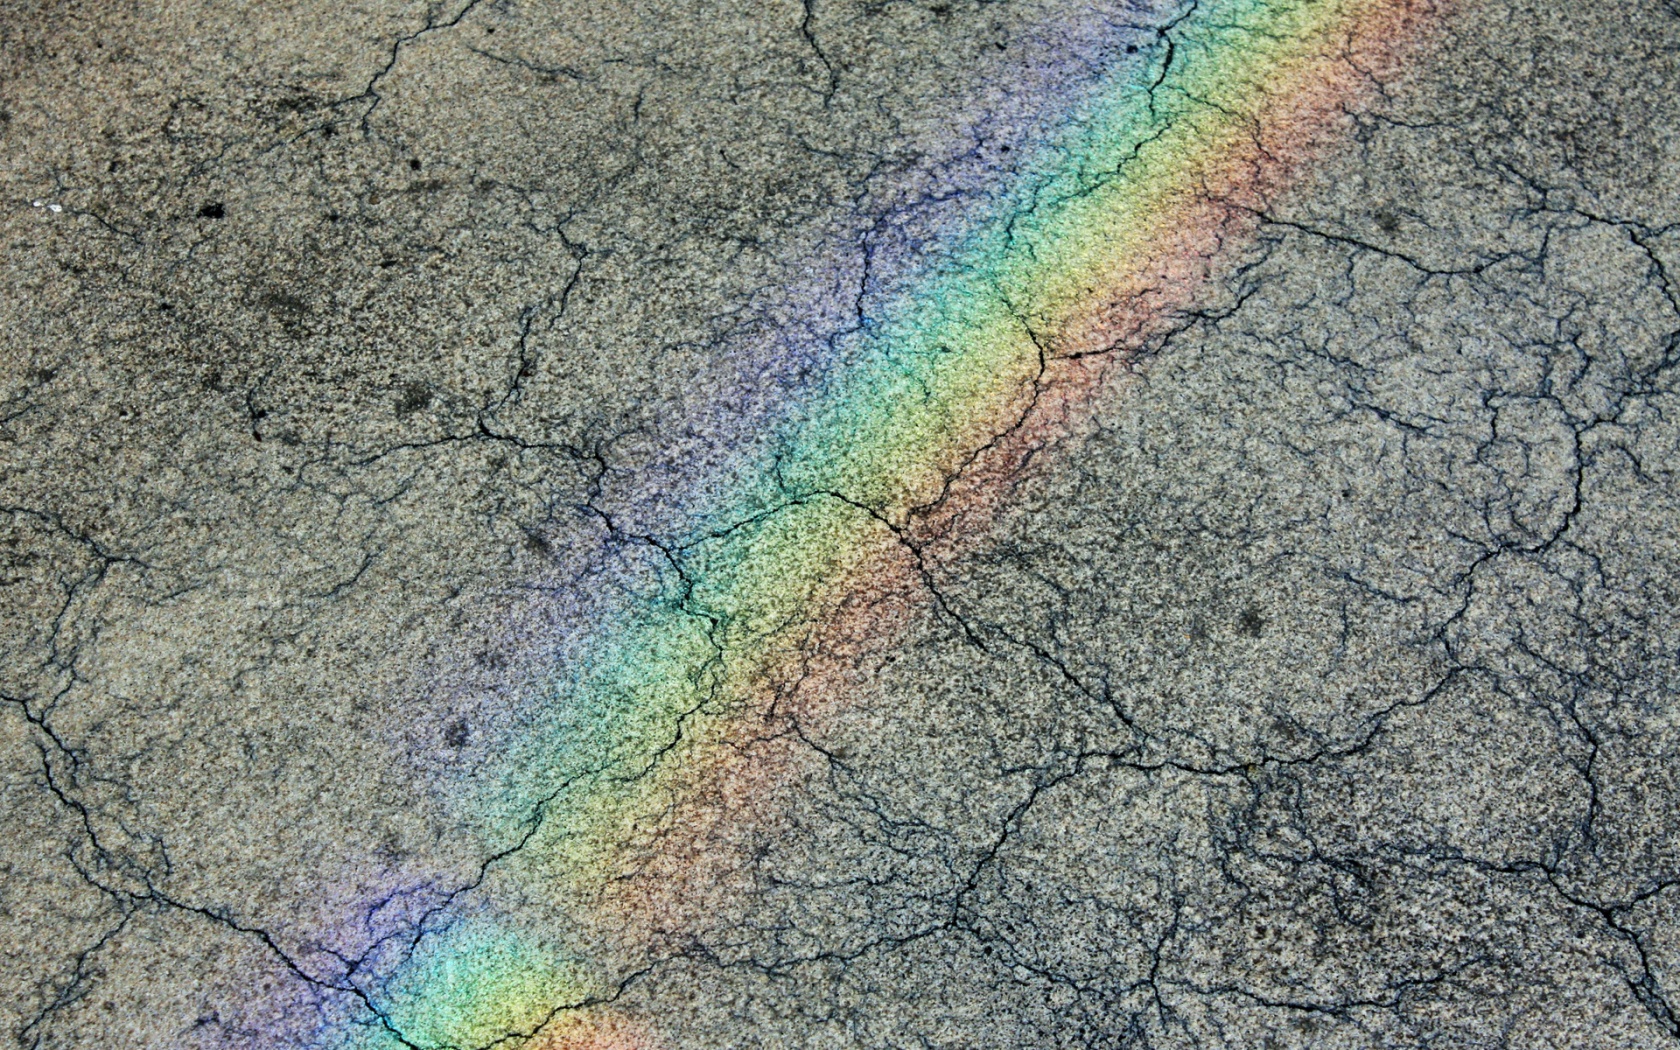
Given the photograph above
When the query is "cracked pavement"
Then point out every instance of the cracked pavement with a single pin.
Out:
(1314, 687)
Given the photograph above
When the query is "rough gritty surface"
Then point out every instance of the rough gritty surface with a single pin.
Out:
(1328, 688)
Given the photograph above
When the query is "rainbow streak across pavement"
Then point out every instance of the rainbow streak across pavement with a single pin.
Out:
(664, 738)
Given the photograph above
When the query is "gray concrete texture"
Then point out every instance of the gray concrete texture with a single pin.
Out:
(1328, 696)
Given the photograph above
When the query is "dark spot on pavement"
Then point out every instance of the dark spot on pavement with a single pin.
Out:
(415, 396)
(457, 733)
(284, 305)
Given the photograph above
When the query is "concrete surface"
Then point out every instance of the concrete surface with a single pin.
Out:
(1319, 690)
